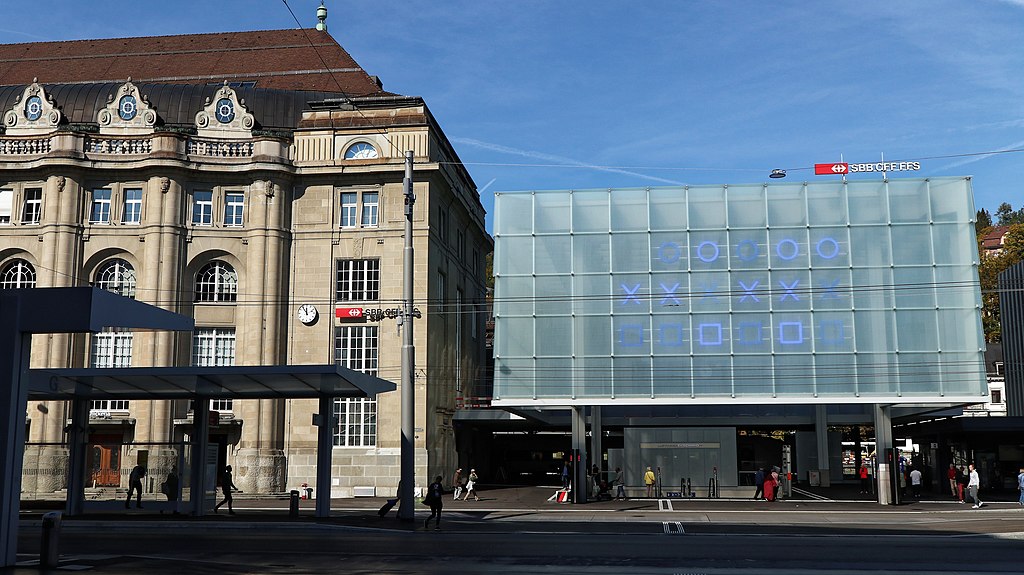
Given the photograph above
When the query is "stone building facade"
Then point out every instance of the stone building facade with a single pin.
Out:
(211, 196)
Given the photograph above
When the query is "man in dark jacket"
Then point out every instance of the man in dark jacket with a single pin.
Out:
(759, 483)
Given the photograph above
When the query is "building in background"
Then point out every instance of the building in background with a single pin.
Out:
(253, 181)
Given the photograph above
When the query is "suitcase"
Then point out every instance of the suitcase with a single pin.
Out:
(386, 507)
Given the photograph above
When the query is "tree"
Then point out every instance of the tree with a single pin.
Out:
(983, 219)
(989, 268)
(1008, 216)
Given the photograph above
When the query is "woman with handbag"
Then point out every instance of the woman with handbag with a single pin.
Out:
(471, 486)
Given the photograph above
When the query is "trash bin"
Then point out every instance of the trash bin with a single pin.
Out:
(814, 478)
(293, 504)
(49, 547)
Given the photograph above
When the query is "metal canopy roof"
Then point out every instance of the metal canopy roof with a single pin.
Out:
(240, 382)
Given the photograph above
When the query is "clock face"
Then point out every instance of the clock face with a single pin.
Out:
(361, 151)
(307, 314)
(33, 108)
(225, 110)
(127, 107)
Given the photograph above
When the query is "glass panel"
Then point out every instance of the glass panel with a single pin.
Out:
(551, 212)
(553, 336)
(553, 295)
(953, 244)
(835, 374)
(792, 333)
(788, 248)
(590, 211)
(629, 210)
(632, 335)
(509, 258)
(868, 204)
(512, 214)
(829, 248)
(826, 204)
(632, 294)
(710, 291)
(749, 249)
(830, 289)
(554, 377)
(914, 287)
(709, 250)
(591, 253)
(669, 251)
(869, 246)
(593, 294)
(672, 376)
(707, 208)
(668, 209)
(746, 206)
(786, 205)
(875, 330)
(514, 297)
(712, 376)
(791, 290)
(671, 293)
(632, 376)
(593, 335)
(630, 252)
(951, 200)
(752, 334)
(553, 254)
(908, 201)
(911, 245)
(916, 329)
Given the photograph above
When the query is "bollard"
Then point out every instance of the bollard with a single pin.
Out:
(293, 504)
(49, 548)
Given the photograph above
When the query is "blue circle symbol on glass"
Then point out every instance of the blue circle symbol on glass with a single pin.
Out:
(747, 250)
(833, 251)
(794, 249)
(704, 255)
(225, 110)
(127, 107)
(33, 108)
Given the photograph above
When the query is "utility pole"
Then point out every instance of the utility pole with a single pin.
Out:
(407, 511)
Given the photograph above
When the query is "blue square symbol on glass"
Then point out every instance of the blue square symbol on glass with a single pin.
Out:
(749, 332)
(709, 334)
(670, 334)
(631, 335)
(831, 331)
(791, 332)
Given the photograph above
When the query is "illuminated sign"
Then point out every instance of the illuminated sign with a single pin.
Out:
(831, 169)
(348, 312)
(842, 168)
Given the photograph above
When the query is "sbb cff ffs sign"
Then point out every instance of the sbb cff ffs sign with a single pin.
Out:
(839, 168)
(348, 312)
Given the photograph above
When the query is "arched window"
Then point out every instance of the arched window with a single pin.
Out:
(117, 276)
(18, 274)
(216, 281)
(361, 151)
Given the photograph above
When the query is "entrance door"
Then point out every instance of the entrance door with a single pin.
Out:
(105, 461)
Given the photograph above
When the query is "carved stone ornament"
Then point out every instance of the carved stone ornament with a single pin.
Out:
(33, 113)
(61, 183)
(165, 185)
(127, 112)
(225, 116)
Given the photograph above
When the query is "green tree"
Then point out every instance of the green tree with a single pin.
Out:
(989, 268)
(983, 219)
(1008, 216)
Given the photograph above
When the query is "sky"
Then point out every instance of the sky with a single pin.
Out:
(539, 95)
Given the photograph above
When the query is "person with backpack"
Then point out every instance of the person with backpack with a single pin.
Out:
(435, 499)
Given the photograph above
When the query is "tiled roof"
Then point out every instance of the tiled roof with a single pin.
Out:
(993, 240)
(282, 59)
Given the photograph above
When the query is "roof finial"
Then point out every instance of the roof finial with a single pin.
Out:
(321, 15)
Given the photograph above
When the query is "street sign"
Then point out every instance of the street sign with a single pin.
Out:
(834, 169)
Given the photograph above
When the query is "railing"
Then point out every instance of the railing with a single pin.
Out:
(118, 146)
(20, 147)
(220, 148)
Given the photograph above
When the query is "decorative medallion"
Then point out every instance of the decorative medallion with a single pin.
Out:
(225, 116)
(127, 113)
(33, 113)
(127, 108)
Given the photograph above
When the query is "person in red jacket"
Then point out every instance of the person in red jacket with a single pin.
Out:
(865, 486)
(951, 475)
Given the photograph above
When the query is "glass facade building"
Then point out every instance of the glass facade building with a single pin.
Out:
(825, 292)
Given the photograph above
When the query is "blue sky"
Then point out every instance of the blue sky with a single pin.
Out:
(556, 95)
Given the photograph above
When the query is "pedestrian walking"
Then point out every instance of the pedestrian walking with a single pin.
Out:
(973, 485)
(951, 475)
(865, 484)
(620, 484)
(759, 484)
(471, 486)
(649, 482)
(457, 483)
(961, 482)
(915, 482)
(1020, 486)
(435, 499)
(226, 485)
(565, 476)
(770, 486)
(135, 486)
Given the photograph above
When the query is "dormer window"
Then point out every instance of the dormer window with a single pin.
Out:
(361, 151)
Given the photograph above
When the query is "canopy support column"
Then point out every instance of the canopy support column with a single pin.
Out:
(883, 449)
(324, 450)
(15, 346)
(78, 438)
(200, 440)
(821, 431)
(579, 454)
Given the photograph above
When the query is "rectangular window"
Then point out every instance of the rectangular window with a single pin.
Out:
(227, 404)
(202, 208)
(132, 206)
(442, 227)
(997, 396)
(6, 202)
(100, 213)
(460, 247)
(357, 280)
(234, 203)
(355, 347)
(370, 204)
(349, 204)
(213, 347)
(109, 405)
(33, 206)
(111, 348)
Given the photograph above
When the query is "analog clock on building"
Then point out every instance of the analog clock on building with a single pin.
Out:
(307, 314)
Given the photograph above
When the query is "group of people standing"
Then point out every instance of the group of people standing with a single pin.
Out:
(967, 480)
(766, 484)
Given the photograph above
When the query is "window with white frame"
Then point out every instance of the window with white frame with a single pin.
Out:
(355, 347)
(6, 205)
(111, 347)
(234, 205)
(216, 282)
(132, 206)
(17, 274)
(997, 396)
(213, 347)
(109, 405)
(202, 208)
(349, 209)
(357, 280)
(117, 276)
(222, 404)
(100, 212)
(33, 209)
(370, 205)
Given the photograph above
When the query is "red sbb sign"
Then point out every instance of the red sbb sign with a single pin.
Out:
(348, 312)
(831, 169)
